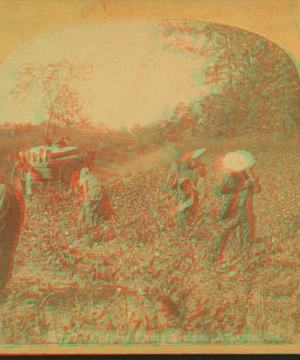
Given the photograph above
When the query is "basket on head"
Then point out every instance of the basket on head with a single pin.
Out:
(237, 161)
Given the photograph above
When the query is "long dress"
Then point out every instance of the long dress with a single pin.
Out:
(237, 213)
(12, 209)
(189, 195)
(187, 189)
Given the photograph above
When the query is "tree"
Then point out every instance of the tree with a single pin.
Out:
(56, 83)
(254, 84)
(222, 46)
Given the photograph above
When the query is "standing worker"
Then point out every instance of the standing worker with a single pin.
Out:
(12, 210)
(22, 163)
(238, 187)
(96, 205)
(190, 187)
(32, 178)
(75, 193)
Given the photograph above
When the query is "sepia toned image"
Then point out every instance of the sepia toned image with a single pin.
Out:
(149, 165)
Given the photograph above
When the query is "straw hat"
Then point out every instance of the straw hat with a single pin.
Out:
(191, 155)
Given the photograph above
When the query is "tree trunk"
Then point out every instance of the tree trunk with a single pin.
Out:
(46, 137)
(229, 62)
(216, 74)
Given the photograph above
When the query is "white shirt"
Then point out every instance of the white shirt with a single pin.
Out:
(91, 185)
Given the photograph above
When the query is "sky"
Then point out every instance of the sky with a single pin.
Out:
(133, 81)
(118, 94)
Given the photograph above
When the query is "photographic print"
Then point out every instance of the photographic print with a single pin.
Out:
(149, 166)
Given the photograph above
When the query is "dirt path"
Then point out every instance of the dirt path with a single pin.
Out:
(141, 163)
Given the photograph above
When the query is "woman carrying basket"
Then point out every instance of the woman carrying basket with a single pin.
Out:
(237, 215)
(186, 184)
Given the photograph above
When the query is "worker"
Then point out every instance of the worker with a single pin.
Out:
(32, 178)
(22, 163)
(75, 194)
(186, 183)
(96, 206)
(191, 192)
(12, 210)
(61, 143)
(237, 214)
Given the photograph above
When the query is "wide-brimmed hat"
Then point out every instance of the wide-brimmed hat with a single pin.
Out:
(191, 155)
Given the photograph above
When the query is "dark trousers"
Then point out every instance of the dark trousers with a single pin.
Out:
(244, 225)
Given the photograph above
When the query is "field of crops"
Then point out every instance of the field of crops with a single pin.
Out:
(139, 278)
